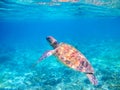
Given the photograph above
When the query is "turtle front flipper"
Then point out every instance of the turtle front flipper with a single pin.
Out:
(45, 55)
(92, 78)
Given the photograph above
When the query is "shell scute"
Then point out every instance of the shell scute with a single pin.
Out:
(72, 58)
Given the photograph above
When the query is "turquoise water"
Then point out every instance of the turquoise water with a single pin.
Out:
(90, 26)
(45, 9)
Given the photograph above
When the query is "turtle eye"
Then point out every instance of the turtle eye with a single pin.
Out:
(55, 43)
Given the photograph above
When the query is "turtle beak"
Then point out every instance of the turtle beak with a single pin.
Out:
(51, 40)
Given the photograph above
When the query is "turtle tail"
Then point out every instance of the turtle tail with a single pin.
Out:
(92, 78)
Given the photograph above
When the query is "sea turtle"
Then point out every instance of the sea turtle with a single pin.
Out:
(71, 57)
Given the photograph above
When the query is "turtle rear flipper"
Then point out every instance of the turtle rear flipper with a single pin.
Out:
(45, 55)
(92, 78)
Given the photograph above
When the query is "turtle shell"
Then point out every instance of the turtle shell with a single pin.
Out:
(71, 57)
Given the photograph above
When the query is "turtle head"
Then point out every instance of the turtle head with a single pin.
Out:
(53, 42)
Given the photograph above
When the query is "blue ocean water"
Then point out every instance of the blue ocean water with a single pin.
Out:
(92, 26)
